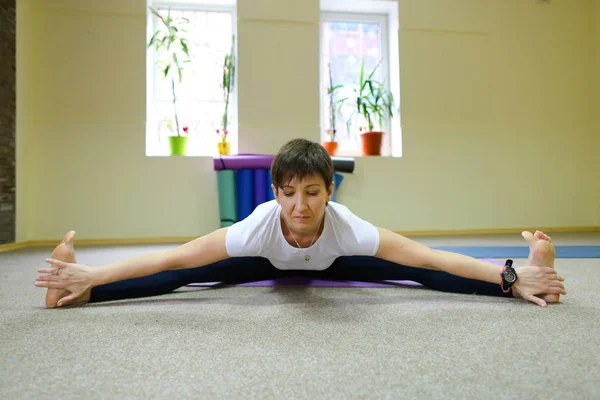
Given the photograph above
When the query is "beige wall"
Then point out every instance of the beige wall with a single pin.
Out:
(496, 129)
(595, 23)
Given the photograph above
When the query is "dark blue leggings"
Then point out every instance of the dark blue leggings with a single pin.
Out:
(252, 269)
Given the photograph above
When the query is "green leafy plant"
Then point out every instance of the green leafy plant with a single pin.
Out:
(372, 100)
(170, 42)
(227, 85)
(334, 105)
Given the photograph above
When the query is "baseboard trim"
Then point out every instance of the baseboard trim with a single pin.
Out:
(110, 242)
(499, 231)
(184, 239)
(13, 246)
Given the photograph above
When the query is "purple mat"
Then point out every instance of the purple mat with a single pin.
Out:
(260, 186)
(309, 282)
(243, 161)
(264, 161)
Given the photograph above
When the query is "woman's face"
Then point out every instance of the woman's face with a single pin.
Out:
(303, 202)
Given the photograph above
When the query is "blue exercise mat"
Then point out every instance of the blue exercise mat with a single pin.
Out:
(521, 251)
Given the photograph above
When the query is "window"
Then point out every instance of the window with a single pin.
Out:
(200, 100)
(368, 33)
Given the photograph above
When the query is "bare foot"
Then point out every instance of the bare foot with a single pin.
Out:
(541, 253)
(64, 252)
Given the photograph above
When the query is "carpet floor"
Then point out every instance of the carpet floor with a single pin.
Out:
(299, 343)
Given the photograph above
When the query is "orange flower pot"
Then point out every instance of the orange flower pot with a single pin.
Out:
(371, 143)
(331, 147)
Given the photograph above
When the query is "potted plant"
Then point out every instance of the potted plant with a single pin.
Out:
(169, 42)
(227, 84)
(334, 106)
(373, 103)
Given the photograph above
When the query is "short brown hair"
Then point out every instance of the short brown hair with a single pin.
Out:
(300, 158)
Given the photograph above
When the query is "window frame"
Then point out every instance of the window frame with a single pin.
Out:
(153, 146)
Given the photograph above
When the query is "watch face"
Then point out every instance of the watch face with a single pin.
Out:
(510, 276)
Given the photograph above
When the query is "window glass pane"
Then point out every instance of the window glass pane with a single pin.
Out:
(345, 45)
(200, 102)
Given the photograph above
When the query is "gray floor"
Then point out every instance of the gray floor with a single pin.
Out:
(258, 343)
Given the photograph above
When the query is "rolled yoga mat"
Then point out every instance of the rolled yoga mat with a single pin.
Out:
(252, 190)
(254, 161)
(260, 186)
(270, 194)
(242, 161)
(308, 282)
(343, 164)
(245, 193)
(337, 179)
(227, 197)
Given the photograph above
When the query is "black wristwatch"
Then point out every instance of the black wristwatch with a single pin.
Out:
(509, 276)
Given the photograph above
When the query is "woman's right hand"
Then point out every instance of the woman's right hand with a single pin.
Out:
(75, 278)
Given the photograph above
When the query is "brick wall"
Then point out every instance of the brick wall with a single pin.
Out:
(7, 119)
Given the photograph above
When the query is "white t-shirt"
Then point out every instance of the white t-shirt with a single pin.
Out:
(260, 235)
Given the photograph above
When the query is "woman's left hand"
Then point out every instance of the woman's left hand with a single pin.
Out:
(74, 278)
(534, 280)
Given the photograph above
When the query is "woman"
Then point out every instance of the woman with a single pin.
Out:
(303, 233)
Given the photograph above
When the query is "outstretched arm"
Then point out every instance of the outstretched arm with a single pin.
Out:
(78, 279)
(401, 250)
(196, 253)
